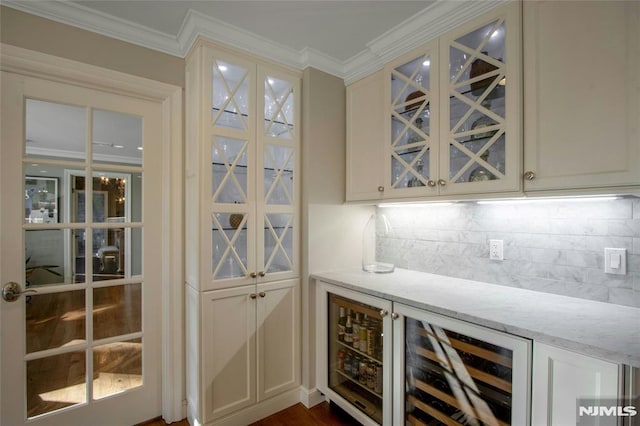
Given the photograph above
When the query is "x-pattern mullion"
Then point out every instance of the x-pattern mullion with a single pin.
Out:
(475, 106)
(231, 97)
(408, 167)
(278, 110)
(476, 53)
(230, 171)
(408, 81)
(279, 169)
(475, 158)
(278, 242)
(230, 244)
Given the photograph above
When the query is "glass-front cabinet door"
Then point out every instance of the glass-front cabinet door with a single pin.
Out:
(480, 91)
(455, 373)
(412, 156)
(353, 353)
(453, 114)
(253, 156)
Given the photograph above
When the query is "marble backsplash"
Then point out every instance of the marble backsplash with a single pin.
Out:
(549, 246)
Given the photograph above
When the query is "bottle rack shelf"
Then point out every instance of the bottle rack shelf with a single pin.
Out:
(357, 383)
(357, 351)
(370, 407)
(357, 307)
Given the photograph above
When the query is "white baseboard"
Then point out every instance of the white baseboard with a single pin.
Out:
(311, 397)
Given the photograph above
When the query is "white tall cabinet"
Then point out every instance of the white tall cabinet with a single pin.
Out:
(242, 236)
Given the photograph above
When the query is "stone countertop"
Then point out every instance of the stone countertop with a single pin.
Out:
(602, 330)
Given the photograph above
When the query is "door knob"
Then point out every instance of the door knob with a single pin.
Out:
(11, 291)
(529, 175)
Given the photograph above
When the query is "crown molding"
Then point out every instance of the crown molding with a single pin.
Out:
(88, 19)
(428, 24)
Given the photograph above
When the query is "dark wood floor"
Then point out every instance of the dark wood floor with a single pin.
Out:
(296, 415)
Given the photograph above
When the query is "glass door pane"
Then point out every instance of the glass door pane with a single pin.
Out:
(452, 378)
(477, 113)
(80, 194)
(355, 366)
(411, 123)
(230, 99)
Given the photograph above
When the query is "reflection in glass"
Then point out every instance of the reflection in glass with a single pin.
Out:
(117, 310)
(229, 170)
(278, 108)
(278, 175)
(355, 361)
(278, 243)
(47, 259)
(110, 253)
(56, 382)
(54, 320)
(230, 95)
(117, 367)
(452, 378)
(55, 130)
(117, 138)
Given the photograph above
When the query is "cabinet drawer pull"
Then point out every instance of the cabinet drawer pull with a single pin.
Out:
(262, 294)
(381, 189)
(529, 175)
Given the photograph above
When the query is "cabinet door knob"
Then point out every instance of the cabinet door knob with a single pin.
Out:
(529, 175)
(395, 315)
(431, 183)
(261, 274)
(262, 294)
(383, 313)
(442, 182)
(381, 189)
(253, 275)
(253, 295)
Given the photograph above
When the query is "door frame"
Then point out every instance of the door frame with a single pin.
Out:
(35, 64)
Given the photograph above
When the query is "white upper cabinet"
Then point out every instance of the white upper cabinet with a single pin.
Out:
(451, 116)
(365, 138)
(582, 94)
(243, 150)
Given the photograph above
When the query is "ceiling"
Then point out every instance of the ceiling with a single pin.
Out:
(340, 29)
(347, 38)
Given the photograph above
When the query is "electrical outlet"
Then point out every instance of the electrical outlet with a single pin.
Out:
(495, 250)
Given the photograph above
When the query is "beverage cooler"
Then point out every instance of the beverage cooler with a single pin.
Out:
(391, 364)
(455, 373)
(354, 351)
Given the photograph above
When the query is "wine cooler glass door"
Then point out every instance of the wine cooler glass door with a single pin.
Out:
(457, 374)
(355, 370)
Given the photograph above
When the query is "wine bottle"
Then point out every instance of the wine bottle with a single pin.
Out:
(342, 321)
(348, 330)
(355, 339)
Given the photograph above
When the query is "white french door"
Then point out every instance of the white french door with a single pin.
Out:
(82, 343)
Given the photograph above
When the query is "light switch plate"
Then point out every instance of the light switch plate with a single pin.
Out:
(615, 261)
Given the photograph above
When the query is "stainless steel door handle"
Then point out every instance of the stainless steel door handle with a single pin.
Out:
(11, 291)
